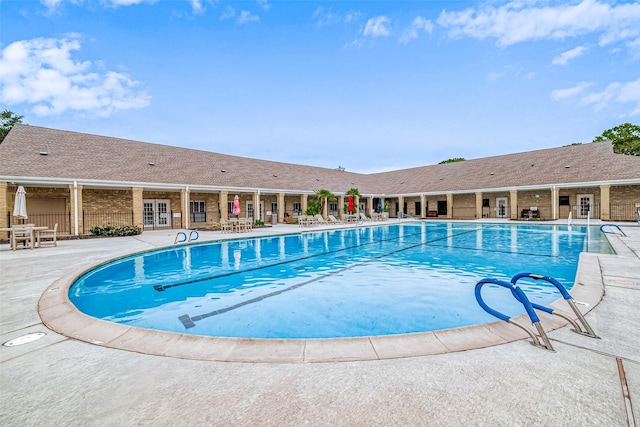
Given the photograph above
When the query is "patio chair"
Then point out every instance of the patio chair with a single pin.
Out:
(364, 217)
(226, 226)
(47, 237)
(22, 233)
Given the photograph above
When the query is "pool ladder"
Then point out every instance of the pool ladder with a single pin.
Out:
(183, 235)
(540, 340)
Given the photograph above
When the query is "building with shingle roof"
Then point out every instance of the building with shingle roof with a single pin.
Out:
(77, 173)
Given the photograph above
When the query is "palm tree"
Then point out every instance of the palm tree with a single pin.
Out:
(324, 195)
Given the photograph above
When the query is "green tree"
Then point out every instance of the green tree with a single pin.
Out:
(7, 120)
(324, 195)
(625, 139)
(353, 192)
(313, 208)
(453, 160)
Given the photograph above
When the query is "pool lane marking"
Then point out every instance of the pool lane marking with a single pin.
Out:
(189, 321)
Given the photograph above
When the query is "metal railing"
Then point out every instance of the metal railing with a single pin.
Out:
(44, 219)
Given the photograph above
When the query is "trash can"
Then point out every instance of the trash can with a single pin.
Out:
(274, 219)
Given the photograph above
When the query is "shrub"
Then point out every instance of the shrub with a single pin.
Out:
(111, 231)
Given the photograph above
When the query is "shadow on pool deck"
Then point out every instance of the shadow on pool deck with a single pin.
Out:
(58, 380)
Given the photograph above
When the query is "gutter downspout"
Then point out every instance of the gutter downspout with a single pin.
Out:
(75, 206)
(186, 208)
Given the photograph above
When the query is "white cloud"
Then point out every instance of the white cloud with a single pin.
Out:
(418, 25)
(264, 4)
(228, 13)
(42, 73)
(565, 57)
(377, 27)
(196, 6)
(324, 17)
(570, 92)
(246, 16)
(128, 2)
(616, 92)
(517, 22)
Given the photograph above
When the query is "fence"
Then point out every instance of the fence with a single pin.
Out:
(44, 219)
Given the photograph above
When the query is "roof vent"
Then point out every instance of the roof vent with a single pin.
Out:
(44, 153)
(567, 167)
(222, 170)
(152, 164)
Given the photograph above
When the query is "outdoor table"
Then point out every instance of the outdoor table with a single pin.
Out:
(35, 231)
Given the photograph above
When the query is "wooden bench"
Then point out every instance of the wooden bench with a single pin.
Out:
(432, 213)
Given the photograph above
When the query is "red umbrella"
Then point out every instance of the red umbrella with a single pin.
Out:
(236, 205)
(350, 207)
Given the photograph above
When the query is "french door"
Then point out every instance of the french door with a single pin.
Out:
(501, 207)
(585, 203)
(155, 213)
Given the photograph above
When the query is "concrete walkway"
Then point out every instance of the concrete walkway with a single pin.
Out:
(62, 381)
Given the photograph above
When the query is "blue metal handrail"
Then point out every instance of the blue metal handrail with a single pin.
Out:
(520, 297)
(566, 296)
(611, 232)
(184, 237)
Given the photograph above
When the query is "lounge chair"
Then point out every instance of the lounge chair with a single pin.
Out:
(333, 220)
(320, 220)
(364, 217)
(47, 237)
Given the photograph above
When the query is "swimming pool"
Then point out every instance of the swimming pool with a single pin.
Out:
(380, 280)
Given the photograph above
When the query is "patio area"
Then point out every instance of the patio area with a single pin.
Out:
(62, 381)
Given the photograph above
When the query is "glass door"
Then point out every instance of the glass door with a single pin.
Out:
(155, 213)
(585, 202)
(501, 207)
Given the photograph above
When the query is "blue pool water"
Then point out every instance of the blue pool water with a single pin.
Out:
(381, 280)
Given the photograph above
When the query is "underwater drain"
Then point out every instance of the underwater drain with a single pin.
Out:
(24, 339)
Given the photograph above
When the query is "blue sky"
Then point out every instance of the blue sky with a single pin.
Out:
(367, 85)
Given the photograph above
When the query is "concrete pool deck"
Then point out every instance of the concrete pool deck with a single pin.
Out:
(58, 380)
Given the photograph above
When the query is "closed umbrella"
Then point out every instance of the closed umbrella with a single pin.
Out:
(350, 207)
(380, 205)
(20, 207)
(236, 205)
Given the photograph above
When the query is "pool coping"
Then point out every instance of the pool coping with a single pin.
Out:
(59, 314)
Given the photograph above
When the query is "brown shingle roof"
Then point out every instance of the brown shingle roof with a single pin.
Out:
(78, 156)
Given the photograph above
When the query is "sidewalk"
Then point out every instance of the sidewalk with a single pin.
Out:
(61, 381)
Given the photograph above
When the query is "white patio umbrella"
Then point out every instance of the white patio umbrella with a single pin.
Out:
(20, 206)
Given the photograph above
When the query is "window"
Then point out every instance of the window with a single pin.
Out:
(485, 203)
(197, 210)
(230, 208)
(296, 208)
(442, 207)
(418, 209)
(564, 201)
(274, 208)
